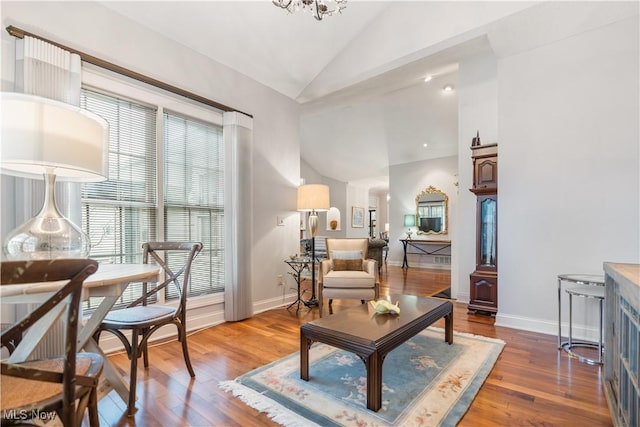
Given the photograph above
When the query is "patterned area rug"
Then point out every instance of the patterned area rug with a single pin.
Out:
(426, 382)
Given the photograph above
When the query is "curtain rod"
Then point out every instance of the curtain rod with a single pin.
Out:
(19, 33)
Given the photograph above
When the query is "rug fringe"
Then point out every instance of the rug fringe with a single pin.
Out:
(468, 335)
(261, 403)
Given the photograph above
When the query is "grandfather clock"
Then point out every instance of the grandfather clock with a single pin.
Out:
(484, 280)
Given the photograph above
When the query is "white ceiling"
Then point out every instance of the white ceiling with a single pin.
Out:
(357, 74)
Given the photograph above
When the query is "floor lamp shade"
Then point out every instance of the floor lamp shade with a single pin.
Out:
(313, 198)
(40, 137)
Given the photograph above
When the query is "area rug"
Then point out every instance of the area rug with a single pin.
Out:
(426, 382)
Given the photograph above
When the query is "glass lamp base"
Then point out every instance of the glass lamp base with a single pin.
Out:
(47, 238)
(49, 234)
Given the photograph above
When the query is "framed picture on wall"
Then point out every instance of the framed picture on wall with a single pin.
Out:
(357, 217)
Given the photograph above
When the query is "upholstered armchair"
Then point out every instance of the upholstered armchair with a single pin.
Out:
(376, 249)
(347, 273)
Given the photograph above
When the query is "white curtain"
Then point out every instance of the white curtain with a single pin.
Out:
(238, 205)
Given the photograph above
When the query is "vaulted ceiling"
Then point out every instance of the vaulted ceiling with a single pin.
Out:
(358, 75)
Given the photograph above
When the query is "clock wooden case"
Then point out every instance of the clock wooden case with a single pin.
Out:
(484, 280)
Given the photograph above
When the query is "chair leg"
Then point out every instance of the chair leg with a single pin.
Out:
(182, 335)
(94, 421)
(145, 348)
(134, 374)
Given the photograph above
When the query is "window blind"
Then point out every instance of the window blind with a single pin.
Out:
(194, 197)
(119, 214)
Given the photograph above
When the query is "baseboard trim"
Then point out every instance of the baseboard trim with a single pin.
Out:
(547, 327)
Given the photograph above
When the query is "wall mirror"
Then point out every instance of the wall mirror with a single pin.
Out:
(431, 211)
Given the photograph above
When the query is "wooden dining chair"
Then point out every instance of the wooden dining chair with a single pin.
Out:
(63, 385)
(143, 319)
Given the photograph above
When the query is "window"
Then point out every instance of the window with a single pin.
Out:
(180, 199)
(194, 196)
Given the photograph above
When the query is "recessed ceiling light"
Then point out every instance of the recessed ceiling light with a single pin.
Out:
(448, 88)
(425, 145)
(428, 78)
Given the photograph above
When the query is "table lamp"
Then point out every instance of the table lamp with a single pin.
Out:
(313, 198)
(409, 221)
(40, 136)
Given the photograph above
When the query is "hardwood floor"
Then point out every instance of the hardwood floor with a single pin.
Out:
(532, 384)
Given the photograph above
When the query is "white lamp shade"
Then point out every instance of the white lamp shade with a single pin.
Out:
(409, 220)
(40, 134)
(313, 197)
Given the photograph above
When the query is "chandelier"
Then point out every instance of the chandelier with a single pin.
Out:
(318, 8)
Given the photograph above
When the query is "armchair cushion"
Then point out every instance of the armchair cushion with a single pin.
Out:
(349, 279)
(347, 264)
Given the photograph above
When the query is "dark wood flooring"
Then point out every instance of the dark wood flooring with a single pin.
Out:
(532, 384)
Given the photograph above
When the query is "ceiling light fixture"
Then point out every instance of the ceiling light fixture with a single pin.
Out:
(318, 8)
(448, 88)
(428, 79)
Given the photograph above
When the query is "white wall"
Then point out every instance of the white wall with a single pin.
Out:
(91, 28)
(477, 112)
(569, 184)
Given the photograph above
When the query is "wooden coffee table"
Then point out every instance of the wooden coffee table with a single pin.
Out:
(372, 336)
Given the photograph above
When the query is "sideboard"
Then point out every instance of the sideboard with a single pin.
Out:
(622, 339)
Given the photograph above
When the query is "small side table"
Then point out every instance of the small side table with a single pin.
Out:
(586, 286)
(298, 265)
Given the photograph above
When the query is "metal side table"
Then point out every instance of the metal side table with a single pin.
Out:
(587, 286)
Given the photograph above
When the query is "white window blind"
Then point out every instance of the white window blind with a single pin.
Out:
(194, 197)
(124, 212)
(119, 214)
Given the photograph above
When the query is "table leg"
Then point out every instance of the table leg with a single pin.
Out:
(448, 327)
(305, 343)
(86, 342)
(559, 314)
(374, 381)
(110, 372)
(405, 263)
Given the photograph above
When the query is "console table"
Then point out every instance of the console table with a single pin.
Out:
(622, 339)
(424, 247)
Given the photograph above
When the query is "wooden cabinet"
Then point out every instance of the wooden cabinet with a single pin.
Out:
(484, 280)
(622, 343)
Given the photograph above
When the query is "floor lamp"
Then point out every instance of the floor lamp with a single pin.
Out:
(313, 198)
(40, 136)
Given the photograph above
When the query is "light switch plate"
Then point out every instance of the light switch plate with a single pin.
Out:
(280, 221)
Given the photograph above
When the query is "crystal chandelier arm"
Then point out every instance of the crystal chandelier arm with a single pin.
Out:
(283, 3)
(318, 8)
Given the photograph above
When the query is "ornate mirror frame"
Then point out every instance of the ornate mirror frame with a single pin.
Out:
(432, 196)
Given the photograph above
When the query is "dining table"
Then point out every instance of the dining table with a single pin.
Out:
(108, 283)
